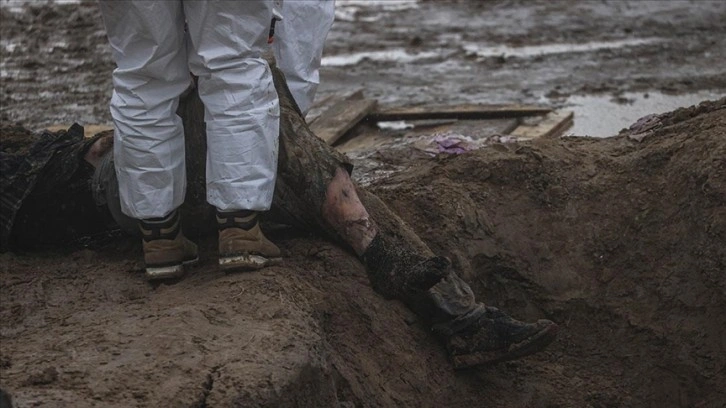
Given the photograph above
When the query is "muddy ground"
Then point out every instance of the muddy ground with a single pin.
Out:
(621, 242)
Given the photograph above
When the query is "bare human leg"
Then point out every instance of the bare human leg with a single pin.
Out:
(345, 212)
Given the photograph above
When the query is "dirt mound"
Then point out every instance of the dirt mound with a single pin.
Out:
(624, 243)
(621, 242)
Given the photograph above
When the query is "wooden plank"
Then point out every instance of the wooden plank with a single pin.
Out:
(88, 130)
(458, 112)
(323, 102)
(318, 108)
(432, 122)
(553, 125)
(340, 118)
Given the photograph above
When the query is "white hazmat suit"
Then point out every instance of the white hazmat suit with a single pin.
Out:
(298, 45)
(223, 46)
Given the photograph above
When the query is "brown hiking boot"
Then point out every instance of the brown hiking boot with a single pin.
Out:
(495, 337)
(166, 249)
(242, 246)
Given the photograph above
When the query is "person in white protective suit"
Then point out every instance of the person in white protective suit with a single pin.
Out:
(222, 45)
(298, 45)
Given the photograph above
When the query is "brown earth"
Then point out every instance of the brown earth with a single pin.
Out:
(622, 243)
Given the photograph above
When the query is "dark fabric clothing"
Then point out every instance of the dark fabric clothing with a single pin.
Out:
(106, 195)
(449, 306)
(46, 198)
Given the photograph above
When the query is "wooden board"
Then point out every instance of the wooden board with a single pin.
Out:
(458, 112)
(554, 124)
(340, 117)
(323, 102)
(318, 108)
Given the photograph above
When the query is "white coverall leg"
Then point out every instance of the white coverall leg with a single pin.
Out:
(223, 47)
(298, 45)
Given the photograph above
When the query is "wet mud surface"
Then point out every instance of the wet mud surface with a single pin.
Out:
(56, 60)
(517, 51)
(621, 241)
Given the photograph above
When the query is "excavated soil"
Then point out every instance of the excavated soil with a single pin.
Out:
(622, 242)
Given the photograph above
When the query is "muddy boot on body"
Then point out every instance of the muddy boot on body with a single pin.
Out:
(242, 245)
(493, 337)
(166, 249)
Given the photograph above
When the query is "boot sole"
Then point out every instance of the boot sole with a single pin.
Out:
(168, 272)
(246, 262)
(529, 346)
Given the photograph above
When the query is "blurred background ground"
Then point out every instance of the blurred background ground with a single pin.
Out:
(627, 58)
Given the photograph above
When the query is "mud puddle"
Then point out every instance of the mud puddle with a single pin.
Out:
(548, 49)
(605, 115)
